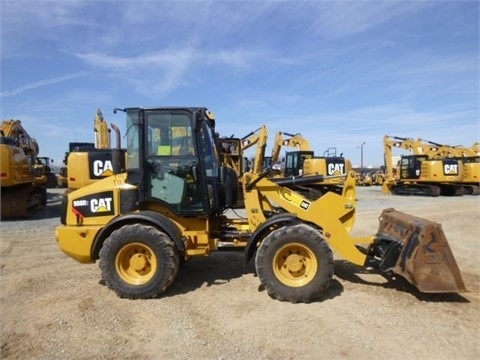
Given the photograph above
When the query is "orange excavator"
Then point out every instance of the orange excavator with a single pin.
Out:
(22, 192)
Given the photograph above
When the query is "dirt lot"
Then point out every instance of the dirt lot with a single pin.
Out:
(55, 308)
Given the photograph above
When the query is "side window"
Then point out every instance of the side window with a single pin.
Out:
(209, 152)
(133, 152)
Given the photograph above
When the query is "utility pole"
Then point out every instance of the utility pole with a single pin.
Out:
(361, 155)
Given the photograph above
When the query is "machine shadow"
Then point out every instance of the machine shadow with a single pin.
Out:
(216, 269)
(52, 210)
(221, 267)
(351, 273)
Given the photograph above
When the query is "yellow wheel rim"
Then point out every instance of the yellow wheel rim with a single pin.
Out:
(136, 263)
(295, 265)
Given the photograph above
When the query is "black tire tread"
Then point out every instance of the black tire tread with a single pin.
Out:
(308, 236)
(170, 261)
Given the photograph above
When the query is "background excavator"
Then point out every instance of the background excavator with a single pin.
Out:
(86, 163)
(169, 207)
(22, 191)
(468, 156)
(425, 172)
(303, 161)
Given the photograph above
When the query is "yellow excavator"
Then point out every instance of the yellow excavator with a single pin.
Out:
(303, 161)
(22, 192)
(86, 163)
(167, 208)
(424, 173)
(468, 156)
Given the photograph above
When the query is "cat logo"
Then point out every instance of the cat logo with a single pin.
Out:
(336, 168)
(102, 168)
(450, 169)
(101, 205)
(305, 205)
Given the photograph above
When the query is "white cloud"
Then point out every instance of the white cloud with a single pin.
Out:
(347, 18)
(44, 82)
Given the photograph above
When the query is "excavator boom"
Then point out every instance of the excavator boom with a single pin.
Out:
(102, 132)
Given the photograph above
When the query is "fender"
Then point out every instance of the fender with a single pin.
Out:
(263, 230)
(148, 217)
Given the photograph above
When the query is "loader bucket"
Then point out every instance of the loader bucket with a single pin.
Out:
(423, 256)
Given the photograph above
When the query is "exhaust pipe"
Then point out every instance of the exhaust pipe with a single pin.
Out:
(118, 156)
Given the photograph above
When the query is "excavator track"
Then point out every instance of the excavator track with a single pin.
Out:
(471, 189)
(19, 202)
(452, 190)
(416, 190)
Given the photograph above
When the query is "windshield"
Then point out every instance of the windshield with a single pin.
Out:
(169, 134)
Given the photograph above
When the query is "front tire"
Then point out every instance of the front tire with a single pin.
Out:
(138, 261)
(294, 263)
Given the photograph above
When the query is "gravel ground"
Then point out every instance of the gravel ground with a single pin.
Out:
(54, 308)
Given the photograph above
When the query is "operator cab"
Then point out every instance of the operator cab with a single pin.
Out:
(173, 160)
(411, 166)
(294, 162)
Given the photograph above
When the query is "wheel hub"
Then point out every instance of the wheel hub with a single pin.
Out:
(138, 262)
(294, 263)
(135, 263)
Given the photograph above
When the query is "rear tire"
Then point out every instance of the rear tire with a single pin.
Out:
(295, 264)
(138, 261)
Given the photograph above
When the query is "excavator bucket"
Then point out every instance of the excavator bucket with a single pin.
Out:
(419, 252)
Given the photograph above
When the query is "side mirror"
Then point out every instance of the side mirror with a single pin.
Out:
(277, 166)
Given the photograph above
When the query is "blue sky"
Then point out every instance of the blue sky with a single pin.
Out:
(339, 72)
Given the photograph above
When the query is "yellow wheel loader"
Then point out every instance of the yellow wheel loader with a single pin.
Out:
(169, 207)
(45, 174)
